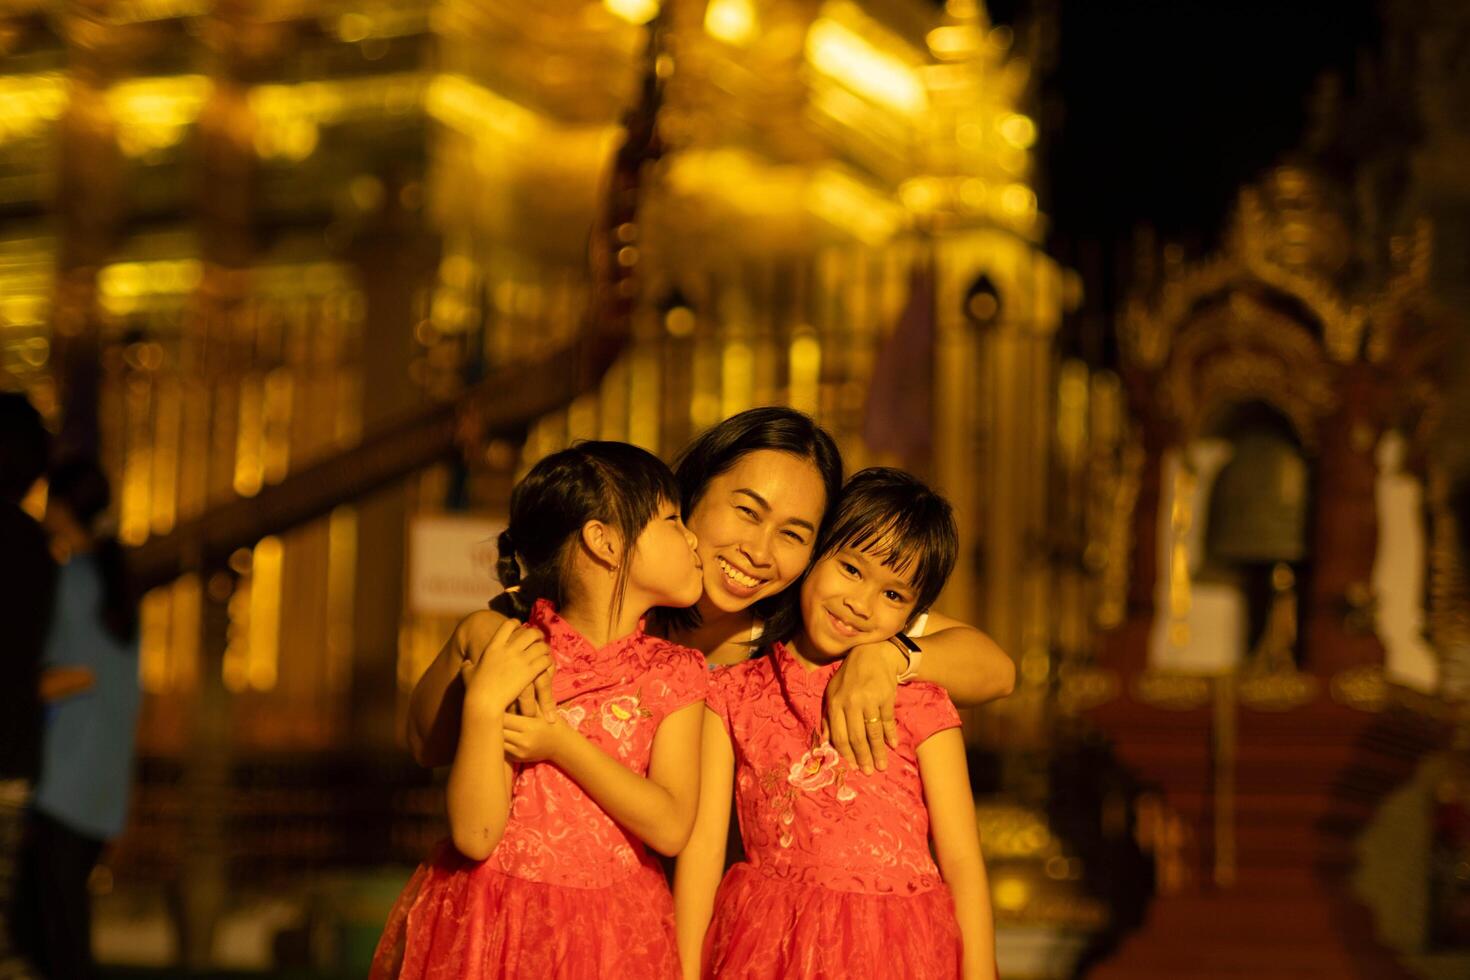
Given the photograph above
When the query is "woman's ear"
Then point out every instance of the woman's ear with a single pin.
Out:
(602, 544)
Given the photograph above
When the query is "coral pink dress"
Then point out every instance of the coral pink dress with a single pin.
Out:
(838, 880)
(567, 892)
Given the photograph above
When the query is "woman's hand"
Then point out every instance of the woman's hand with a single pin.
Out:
(496, 674)
(860, 700)
(533, 738)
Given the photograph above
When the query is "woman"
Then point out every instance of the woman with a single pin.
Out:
(89, 684)
(756, 490)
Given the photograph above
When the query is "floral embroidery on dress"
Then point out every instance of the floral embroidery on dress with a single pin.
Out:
(815, 769)
(573, 716)
(620, 714)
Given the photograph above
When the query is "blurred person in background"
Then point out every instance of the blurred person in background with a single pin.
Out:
(89, 685)
(27, 584)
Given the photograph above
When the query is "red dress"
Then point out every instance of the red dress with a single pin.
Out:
(838, 880)
(567, 892)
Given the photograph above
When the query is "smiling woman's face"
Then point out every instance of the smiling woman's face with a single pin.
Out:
(757, 523)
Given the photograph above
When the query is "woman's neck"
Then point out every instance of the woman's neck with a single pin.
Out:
(723, 637)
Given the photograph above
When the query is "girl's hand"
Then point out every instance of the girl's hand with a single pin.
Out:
(533, 738)
(498, 672)
(860, 700)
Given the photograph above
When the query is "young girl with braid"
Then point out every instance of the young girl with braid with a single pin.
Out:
(551, 811)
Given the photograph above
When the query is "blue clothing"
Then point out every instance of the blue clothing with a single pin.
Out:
(88, 738)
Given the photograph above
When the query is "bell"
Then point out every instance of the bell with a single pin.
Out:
(1258, 508)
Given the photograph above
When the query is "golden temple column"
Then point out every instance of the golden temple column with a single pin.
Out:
(89, 205)
(396, 261)
(213, 355)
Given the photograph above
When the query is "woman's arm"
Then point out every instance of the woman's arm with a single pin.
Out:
(969, 665)
(480, 778)
(437, 702)
(657, 809)
(702, 862)
(959, 658)
(951, 805)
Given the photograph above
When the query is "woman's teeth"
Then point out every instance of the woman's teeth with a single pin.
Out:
(737, 576)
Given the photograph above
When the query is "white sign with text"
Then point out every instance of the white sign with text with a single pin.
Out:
(451, 563)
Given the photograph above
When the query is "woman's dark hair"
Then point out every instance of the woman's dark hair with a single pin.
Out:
(887, 512)
(720, 447)
(24, 445)
(81, 486)
(613, 482)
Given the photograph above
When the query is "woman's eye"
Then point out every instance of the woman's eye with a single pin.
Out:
(793, 537)
(747, 512)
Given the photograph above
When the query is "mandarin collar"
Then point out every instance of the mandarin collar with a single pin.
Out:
(797, 677)
(545, 618)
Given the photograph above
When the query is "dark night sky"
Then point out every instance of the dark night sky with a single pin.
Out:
(1158, 111)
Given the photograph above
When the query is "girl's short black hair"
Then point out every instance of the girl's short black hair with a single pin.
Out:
(614, 482)
(887, 512)
(720, 447)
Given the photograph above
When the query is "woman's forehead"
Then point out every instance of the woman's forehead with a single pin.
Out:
(785, 482)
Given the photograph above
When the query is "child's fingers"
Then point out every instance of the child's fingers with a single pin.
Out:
(501, 634)
(526, 701)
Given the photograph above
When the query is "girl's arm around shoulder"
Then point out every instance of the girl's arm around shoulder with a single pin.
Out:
(964, 661)
(951, 805)
(702, 862)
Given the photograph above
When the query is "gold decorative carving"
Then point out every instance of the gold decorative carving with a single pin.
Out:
(1282, 691)
(1171, 690)
(1081, 688)
(1259, 239)
(1289, 243)
(1363, 688)
(1115, 540)
(1244, 351)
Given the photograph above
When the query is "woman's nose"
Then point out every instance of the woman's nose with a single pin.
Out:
(757, 547)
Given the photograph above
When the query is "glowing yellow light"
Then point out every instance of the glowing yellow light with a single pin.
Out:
(731, 21)
(920, 194)
(473, 109)
(1011, 894)
(953, 41)
(633, 11)
(154, 113)
(737, 378)
(850, 59)
(849, 204)
(1018, 200)
(265, 614)
(806, 371)
(1018, 130)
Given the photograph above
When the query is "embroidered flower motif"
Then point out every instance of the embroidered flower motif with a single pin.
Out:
(845, 794)
(573, 716)
(620, 714)
(815, 769)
